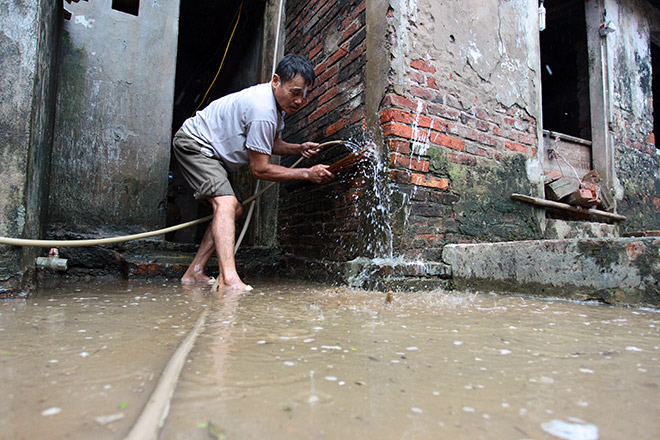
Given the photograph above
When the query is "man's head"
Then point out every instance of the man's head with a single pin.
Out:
(293, 76)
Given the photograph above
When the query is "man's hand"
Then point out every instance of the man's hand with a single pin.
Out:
(309, 149)
(319, 174)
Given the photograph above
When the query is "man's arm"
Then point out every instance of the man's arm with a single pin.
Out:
(264, 170)
(307, 149)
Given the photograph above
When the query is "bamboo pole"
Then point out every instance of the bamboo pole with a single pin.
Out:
(566, 207)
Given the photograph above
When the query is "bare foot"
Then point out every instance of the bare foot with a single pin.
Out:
(231, 284)
(192, 277)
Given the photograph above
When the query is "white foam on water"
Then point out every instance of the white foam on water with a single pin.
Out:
(570, 431)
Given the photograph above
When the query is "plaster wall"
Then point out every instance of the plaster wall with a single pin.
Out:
(114, 113)
(29, 39)
(636, 156)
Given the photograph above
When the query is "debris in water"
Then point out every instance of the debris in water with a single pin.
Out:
(104, 420)
(633, 348)
(216, 431)
(571, 431)
(51, 411)
(389, 297)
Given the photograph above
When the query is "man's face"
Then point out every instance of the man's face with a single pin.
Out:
(291, 95)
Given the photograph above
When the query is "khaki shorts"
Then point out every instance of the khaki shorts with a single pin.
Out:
(207, 176)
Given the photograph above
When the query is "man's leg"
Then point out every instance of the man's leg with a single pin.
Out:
(226, 210)
(195, 272)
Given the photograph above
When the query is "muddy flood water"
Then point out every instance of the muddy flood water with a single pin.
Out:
(303, 361)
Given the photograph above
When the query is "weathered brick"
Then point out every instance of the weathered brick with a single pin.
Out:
(429, 181)
(396, 129)
(326, 108)
(398, 145)
(400, 101)
(513, 146)
(338, 55)
(417, 77)
(328, 95)
(432, 239)
(422, 65)
(318, 70)
(482, 125)
(421, 92)
(443, 111)
(462, 159)
(428, 122)
(326, 74)
(443, 197)
(358, 115)
(394, 115)
(447, 141)
(429, 209)
(416, 164)
(334, 128)
(526, 139)
(315, 50)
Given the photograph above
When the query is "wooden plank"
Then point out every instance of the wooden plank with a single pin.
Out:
(569, 154)
(560, 188)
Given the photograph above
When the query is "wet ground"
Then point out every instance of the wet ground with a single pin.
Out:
(292, 360)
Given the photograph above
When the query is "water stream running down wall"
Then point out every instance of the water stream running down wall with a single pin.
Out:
(294, 360)
(379, 264)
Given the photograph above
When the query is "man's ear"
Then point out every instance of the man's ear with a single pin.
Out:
(276, 80)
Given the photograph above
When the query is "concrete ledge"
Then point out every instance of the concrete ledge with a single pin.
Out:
(397, 274)
(622, 271)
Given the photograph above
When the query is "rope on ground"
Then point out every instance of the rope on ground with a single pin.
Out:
(153, 415)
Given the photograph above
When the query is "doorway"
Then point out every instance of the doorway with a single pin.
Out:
(205, 28)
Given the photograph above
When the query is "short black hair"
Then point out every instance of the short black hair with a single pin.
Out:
(291, 65)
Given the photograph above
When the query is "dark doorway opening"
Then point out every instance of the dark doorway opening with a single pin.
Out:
(655, 89)
(565, 70)
(205, 27)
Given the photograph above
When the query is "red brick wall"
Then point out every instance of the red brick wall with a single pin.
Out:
(322, 222)
(450, 161)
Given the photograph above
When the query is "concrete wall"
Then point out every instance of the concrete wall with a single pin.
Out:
(29, 41)
(114, 114)
(615, 271)
(637, 158)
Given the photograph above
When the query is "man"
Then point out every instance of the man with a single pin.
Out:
(237, 129)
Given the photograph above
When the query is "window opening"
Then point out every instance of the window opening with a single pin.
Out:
(655, 89)
(128, 6)
(565, 69)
